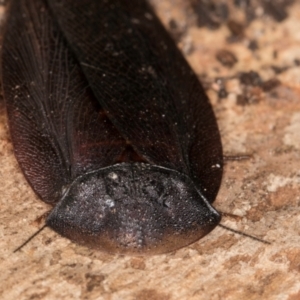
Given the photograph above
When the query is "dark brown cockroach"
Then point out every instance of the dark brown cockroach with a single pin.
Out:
(110, 125)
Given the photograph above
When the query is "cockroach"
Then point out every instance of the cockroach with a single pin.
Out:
(110, 125)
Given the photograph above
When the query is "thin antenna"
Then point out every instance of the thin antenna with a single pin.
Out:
(245, 234)
(30, 238)
(237, 157)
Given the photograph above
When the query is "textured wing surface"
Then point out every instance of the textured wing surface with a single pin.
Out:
(58, 128)
(145, 85)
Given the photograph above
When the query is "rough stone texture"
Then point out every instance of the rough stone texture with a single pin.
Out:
(258, 114)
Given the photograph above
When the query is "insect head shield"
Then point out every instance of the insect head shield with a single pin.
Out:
(133, 208)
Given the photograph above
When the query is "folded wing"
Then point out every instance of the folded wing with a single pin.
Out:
(145, 85)
(58, 128)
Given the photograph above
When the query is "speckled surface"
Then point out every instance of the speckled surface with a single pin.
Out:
(248, 58)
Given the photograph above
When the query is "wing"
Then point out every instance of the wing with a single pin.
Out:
(145, 85)
(58, 128)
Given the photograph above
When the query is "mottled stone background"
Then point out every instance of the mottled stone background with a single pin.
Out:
(247, 55)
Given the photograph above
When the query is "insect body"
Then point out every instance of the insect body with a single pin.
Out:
(110, 124)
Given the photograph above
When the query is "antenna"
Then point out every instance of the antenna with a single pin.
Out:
(30, 238)
(245, 234)
(237, 157)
